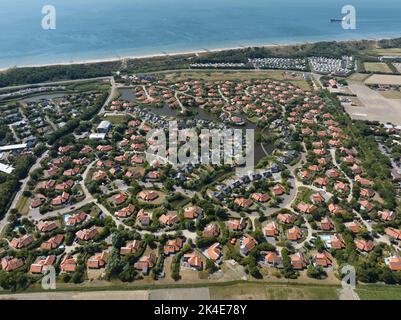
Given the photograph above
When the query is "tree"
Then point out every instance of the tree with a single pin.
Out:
(316, 272)
(92, 187)
(287, 271)
(388, 277)
(114, 264)
(128, 274)
(210, 266)
(14, 281)
(320, 246)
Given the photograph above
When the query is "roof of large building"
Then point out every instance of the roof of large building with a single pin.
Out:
(100, 136)
(13, 147)
(104, 124)
(5, 168)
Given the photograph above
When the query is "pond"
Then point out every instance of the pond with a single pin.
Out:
(259, 152)
(127, 94)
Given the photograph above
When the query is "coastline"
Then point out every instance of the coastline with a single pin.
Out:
(185, 52)
(146, 56)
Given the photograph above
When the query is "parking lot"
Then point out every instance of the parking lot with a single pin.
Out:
(375, 106)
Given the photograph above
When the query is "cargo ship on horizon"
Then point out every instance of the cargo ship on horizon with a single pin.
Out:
(337, 19)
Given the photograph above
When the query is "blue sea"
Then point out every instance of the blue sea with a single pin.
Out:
(101, 29)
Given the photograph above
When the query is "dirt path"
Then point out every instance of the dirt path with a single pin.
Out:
(348, 294)
(95, 295)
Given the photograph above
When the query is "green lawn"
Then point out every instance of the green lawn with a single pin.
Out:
(22, 205)
(117, 119)
(89, 86)
(243, 290)
(302, 293)
(304, 195)
(265, 291)
(378, 292)
(377, 67)
(384, 52)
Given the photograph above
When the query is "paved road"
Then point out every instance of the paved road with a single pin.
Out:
(90, 198)
(14, 133)
(3, 222)
(350, 181)
(49, 121)
(183, 109)
(308, 236)
(223, 96)
(56, 82)
(35, 214)
(383, 149)
(111, 95)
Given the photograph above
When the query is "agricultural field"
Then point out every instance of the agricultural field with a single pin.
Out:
(384, 79)
(384, 52)
(377, 67)
(379, 292)
(391, 94)
(116, 119)
(23, 205)
(273, 292)
(358, 77)
(296, 78)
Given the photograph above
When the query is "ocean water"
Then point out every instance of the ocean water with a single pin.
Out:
(100, 29)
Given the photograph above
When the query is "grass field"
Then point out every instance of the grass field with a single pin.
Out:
(273, 292)
(391, 94)
(304, 85)
(117, 119)
(384, 79)
(23, 205)
(378, 292)
(235, 290)
(377, 67)
(238, 75)
(221, 293)
(384, 52)
(358, 77)
(89, 86)
(303, 195)
(302, 293)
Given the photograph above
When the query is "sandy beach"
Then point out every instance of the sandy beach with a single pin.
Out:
(178, 53)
